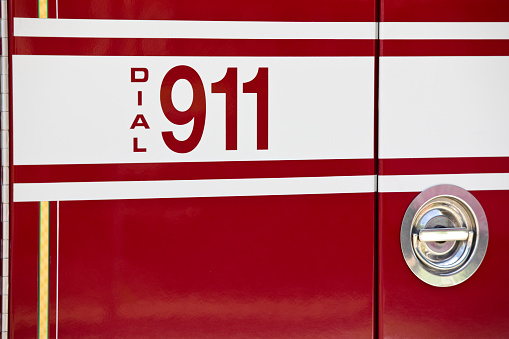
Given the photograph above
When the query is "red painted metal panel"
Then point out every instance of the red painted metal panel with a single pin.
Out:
(474, 308)
(444, 165)
(409, 307)
(444, 10)
(285, 266)
(444, 47)
(222, 10)
(24, 9)
(237, 267)
(23, 269)
(192, 47)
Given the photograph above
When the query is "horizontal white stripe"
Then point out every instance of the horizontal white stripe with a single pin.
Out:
(337, 90)
(92, 28)
(191, 188)
(418, 183)
(453, 106)
(444, 30)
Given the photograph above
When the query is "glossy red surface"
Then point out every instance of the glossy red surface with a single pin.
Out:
(28, 8)
(52, 292)
(260, 10)
(408, 307)
(24, 270)
(280, 266)
(264, 10)
(444, 165)
(24, 263)
(191, 47)
(444, 10)
(24, 8)
(444, 47)
(476, 308)
(52, 9)
(276, 266)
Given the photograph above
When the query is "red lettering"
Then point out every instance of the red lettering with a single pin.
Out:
(196, 112)
(139, 98)
(134, 71)
(136, 148)
(228, 86)
(140, 121)
(260, 86)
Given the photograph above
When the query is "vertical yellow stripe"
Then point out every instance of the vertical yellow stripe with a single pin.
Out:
(43, 269)
(43, 8)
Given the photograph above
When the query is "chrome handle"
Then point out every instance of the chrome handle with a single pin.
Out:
(443, 234)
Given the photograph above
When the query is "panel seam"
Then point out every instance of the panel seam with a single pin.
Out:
(5, 160)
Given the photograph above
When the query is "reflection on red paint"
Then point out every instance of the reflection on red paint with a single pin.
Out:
(214, 267)
(474, 308)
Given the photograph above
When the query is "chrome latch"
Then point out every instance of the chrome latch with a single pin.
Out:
(444, 235)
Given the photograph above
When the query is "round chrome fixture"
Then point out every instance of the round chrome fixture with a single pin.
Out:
(444, 235)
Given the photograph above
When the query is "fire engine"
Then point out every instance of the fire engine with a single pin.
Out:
(254, 169)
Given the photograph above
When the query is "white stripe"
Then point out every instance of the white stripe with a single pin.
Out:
(93, 28)
(418, 183)
(443, 107)
(191, 188)
(444, 30)
(344, 94)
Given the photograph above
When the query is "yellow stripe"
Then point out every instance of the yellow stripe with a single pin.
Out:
(43, 270)
(43, 8)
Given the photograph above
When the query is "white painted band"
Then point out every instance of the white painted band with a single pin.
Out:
(192, 188)
(319, 108)
(93, 28)
(418, 183)
(444, 30)
(443, 107)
